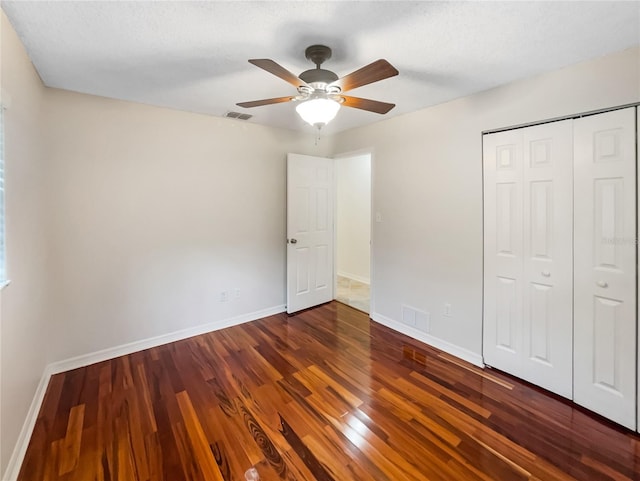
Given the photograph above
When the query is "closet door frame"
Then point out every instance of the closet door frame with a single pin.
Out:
(486, 275)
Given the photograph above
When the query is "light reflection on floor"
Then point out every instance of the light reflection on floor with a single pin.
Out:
(353, 293)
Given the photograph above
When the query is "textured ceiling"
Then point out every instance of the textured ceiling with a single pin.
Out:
(193, 55)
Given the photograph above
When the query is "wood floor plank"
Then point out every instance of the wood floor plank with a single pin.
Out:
(324, 395)
(70, 446)
(201, 452)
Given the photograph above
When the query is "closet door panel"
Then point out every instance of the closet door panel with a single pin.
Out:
(502, 331)
(605, 265)
(548, 266)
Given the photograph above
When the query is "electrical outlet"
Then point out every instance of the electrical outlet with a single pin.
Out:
(447, 310)
(224, 296)
(236, 293)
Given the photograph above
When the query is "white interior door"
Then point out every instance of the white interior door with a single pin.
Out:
(310, 231)
(605, 265)
(548, 264)
(503, 265)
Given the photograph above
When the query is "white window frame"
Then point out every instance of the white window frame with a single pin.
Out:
(3, 238)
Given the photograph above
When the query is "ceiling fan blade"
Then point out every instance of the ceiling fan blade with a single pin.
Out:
(378, 70)
(258, 103)
(278, 70)
(367, 104)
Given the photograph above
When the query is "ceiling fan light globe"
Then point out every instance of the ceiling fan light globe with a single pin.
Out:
(318, 111)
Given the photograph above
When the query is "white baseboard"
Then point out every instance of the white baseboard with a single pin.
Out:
(15, 461)
(464, 354)
(17, 457)
(355, 277)
(124, 349)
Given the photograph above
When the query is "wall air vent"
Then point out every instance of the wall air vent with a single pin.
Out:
(238, 115)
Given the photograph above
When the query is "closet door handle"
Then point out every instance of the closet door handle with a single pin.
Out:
(602, 284)
(546, 273)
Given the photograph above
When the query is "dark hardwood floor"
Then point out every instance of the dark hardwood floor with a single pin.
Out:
(326, 395)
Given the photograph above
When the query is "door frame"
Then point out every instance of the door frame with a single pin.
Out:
(356, 153)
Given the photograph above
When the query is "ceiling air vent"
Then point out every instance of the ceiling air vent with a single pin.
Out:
(238, 115)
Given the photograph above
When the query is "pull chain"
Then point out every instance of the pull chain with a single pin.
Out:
(318, 134)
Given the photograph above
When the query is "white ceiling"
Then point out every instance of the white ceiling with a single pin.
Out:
(193, 55)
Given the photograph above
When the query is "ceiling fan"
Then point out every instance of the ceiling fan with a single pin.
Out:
(320, 91)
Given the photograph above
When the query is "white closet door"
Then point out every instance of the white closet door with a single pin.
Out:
(605, 265)
(502, 330)
(548, 265)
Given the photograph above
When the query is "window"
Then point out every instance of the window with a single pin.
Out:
(3, 270)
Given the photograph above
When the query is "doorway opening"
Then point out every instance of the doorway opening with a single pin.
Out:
(353, 231)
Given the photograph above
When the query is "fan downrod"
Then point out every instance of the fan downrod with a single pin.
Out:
(318, 77)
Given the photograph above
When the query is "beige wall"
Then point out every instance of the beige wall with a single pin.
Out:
(428, 187)
(155, 212)
(25, 331)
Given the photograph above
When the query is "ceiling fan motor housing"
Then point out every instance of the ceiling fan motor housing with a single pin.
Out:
(318, 75)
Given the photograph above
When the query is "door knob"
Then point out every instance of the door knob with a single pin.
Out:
(602, 284)
(546, 273)
(294, 241)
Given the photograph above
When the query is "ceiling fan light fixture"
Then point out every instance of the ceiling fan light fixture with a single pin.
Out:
(320, 91)
(318, 111)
